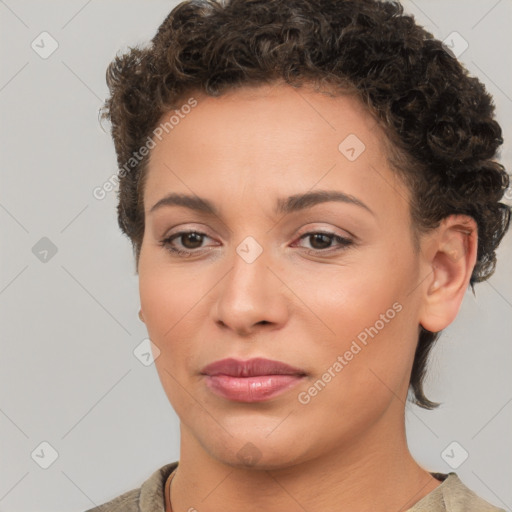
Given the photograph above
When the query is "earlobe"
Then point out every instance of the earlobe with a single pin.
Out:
(141, 316)
(451, 256)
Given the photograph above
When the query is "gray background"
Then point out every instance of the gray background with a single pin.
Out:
(69, 324)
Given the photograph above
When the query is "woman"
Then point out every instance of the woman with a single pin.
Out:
(310, 188)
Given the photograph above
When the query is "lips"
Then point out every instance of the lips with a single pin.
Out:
(254, 380)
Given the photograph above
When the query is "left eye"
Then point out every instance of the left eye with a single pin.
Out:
(323, 240)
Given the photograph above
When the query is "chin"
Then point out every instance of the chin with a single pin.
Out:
(262, 447)
(257, 457)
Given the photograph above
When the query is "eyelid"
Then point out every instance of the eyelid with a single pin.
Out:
(315, 228)
(187, 228)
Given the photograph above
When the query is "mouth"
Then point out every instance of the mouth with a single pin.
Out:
(254, 380)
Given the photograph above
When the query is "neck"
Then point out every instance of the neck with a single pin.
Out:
(371, 473)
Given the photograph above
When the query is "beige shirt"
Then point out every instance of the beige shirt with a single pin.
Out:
(451, 496)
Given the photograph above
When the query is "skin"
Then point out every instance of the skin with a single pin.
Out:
(242, 151)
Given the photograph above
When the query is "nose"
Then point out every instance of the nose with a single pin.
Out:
(251, 298)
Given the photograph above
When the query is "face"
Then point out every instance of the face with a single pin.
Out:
(325, 285)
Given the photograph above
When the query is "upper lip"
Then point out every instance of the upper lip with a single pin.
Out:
(250, 368)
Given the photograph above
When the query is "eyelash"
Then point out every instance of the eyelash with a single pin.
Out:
(343, 242)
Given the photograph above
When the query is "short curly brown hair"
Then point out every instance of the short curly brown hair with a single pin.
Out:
(443, 137)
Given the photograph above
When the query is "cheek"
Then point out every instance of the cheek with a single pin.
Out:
(167, 297)
(350, 299)
(358, 377)
(372, 324)
(165, 304)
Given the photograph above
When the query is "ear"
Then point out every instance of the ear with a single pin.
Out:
(141, 316)
(449, 256)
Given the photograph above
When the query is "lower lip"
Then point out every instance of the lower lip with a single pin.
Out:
(251, 389)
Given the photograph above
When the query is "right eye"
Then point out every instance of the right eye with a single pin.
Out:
(190, 241)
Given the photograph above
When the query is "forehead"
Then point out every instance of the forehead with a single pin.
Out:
(267, 109)
(269, 137)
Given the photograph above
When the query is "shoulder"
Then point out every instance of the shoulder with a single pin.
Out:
(453, 496)
(149, 497)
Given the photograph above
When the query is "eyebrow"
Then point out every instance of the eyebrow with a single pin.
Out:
(286, 205)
